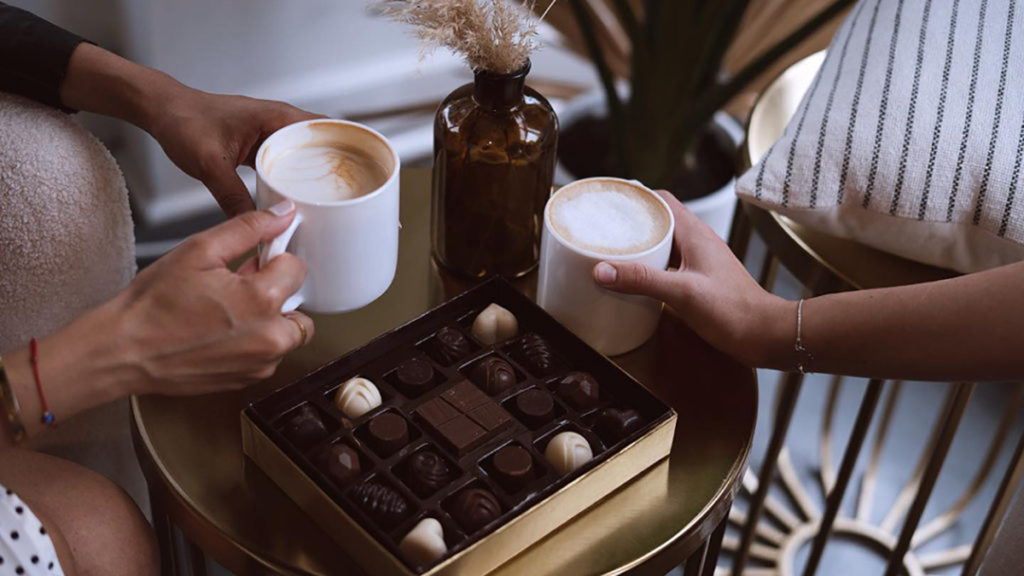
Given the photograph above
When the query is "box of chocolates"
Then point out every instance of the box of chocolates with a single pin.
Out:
(454, 442)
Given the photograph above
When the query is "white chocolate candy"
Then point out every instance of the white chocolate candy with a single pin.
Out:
(495, 324)
(567, 452)
(424, 543)
(357, 397)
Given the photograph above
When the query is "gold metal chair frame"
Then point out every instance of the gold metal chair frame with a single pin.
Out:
(825, 264)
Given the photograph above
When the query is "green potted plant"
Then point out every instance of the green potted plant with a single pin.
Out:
(659, 121)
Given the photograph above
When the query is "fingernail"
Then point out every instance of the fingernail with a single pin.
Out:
(605, 273)
(282, 208)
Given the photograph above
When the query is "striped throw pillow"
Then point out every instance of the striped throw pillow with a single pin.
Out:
(911, 137)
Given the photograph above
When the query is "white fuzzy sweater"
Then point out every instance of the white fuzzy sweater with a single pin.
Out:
(66, 237)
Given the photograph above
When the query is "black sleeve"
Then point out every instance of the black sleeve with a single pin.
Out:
(34, 55)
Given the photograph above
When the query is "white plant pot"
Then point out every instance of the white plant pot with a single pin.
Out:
(715, 209)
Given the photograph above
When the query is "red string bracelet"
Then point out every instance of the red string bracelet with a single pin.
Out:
(48, 418)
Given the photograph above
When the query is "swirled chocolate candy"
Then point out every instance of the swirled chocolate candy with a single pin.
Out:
(513, 466)
(568, 451)
(533, 352)
(613, 425)
(341, 462)
(424, 544)
(427, 472)
(580, 390)
(305, 428)
(387, 433)
(415, 375)
(494, 324)
(535, 407)
(449, 345)
(381, 503)
(493, 375)
(475, 508)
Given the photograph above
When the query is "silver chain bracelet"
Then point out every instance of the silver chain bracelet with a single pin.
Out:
(805, 357)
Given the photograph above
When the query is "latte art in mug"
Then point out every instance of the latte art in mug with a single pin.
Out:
(326, 173)
(609, 217)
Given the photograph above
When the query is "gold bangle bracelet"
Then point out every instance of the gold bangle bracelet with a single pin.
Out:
(10, 405)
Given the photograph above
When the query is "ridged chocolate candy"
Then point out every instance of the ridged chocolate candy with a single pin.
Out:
(534, 352)
(449, 345)
(381, 503)
(305, 428)
(356, 397)
(568, 451)
(493, 375)
(613, 425)
(475, 508)
(580, 390)
(427, 472)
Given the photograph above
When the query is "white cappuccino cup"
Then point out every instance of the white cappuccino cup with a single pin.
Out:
(344, 180)
(594, 220)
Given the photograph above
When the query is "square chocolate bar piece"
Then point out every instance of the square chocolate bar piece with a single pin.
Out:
(464, 417)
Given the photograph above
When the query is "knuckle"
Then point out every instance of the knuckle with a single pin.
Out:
(638, 275)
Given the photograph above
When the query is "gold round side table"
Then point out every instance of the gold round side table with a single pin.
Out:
(675, 513)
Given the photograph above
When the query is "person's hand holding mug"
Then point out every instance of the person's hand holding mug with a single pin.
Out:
(185, 325)
(711, 290)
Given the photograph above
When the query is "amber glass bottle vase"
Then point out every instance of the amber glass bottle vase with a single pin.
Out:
(494, 160)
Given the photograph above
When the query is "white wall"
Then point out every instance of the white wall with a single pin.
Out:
(328, 56)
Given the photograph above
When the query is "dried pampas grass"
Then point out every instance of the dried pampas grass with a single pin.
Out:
(493, 35)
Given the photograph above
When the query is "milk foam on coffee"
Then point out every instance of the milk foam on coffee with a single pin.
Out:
(326, 173)
(609, 217)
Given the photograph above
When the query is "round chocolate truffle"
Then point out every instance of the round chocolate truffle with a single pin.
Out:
(493, 375)
(536, 355)
(381, 503)
(304, 428)
(427, 472)
(341, 462)
(415, 375)
(613, 425)
(535, 407)
(580, 390)
(387, 433)
(449, 345)
(513, 466)
(475, 508)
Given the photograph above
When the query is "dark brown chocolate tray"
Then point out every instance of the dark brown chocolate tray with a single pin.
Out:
(377, 361)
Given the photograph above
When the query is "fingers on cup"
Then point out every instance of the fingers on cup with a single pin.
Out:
(232, 239)
(279, 279)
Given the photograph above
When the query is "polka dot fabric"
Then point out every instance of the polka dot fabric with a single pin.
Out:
(25, 547)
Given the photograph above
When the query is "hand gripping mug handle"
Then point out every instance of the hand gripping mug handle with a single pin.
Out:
(275, 248)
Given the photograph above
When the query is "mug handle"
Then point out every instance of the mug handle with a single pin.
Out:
(275, 248)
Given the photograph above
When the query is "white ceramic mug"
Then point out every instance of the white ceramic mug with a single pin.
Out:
(350, 247)
(609, 322)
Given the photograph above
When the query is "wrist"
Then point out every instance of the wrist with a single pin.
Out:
(94, 353)
(774, 334)
(100, 81)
